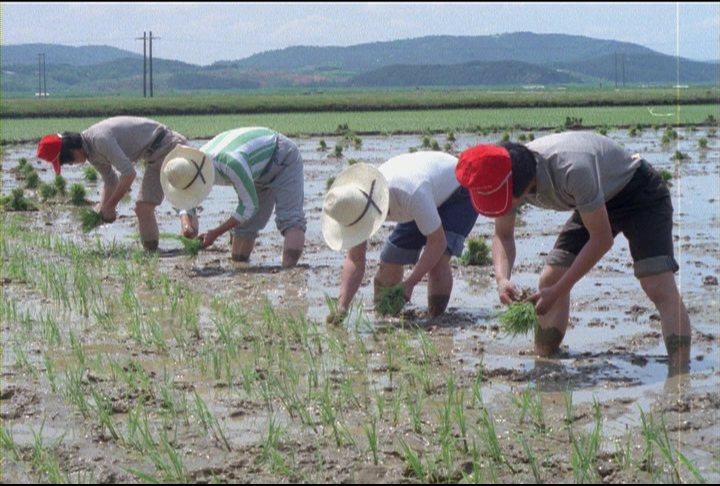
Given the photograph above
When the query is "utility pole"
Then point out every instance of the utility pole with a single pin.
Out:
(616, 70)
(144, 39)
(42, 77)
(151, 77)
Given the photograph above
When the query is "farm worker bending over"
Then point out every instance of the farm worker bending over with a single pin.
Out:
(116, 144)
(418, 191)
(608, 191)
(266, 170)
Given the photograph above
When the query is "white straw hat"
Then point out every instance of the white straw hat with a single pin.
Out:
(187, 175)
(355, 206)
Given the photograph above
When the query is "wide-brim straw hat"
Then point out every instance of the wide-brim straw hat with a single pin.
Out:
(355, 206)
(187, 175)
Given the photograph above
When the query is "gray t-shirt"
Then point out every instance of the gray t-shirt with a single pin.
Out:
(579, 170)
(119, 142)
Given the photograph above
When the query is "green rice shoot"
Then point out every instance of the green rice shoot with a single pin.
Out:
(89, 219)
(476, 252)
(390, 300)
(518, 318)
(191, 246)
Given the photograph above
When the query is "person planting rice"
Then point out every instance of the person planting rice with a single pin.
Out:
(609, 191)
(433, 213)
(116, 144)
(266, 170)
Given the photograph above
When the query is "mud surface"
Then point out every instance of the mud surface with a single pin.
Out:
(612, 363)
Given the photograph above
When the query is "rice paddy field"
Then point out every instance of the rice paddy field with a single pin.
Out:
(187, 367)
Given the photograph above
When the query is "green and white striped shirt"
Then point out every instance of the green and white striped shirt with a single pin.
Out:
(240, 156)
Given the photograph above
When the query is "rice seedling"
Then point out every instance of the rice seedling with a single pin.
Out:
(77, 194)
(89, 173)
(17, 201)
(413, 460)
(89, 219)
(518, 318)
(476, 252)
(60, 184)
(32, 179)
(46, 191)
(371, 434)
(191, 246)
(390, 300)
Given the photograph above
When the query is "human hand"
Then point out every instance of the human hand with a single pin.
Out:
(407, 290)
(544, 299)
(188, 231)
(507, 292)
(207, 238)
(189, 225)
(108, 214)
(336, 317)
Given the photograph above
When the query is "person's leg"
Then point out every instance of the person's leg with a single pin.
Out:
(552, 325)
(387, 275)
(293, 247)
(147, 225)
(241, 248)
(287, 189)
(440, 283)
(663, 292)
(243, 237)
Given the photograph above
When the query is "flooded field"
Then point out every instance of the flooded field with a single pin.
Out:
(119, 367)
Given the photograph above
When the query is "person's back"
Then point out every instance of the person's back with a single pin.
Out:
(419, 182)
(579, 170)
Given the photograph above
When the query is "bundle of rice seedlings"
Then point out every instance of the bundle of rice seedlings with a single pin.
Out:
(390, 300)
(191, 246)
(518, 318)
(89, 219)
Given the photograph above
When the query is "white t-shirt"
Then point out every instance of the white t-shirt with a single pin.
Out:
(419, 183)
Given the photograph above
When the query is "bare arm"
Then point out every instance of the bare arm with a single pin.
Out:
(112, 194)
(434, 249)
(503, 255)
(353, 270)
(209, 237)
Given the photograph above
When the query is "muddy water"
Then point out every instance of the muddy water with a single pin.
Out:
(613, 350)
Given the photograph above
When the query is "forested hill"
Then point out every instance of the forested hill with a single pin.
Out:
(518, 59)
(437, 50)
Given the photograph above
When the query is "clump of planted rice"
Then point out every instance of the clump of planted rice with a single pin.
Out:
(476, 252)
(390, 300)
(518, 318)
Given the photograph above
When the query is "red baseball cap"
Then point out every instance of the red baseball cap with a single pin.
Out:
(49, 150)
(486, 171)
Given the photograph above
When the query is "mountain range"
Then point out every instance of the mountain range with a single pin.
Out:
(514, 59)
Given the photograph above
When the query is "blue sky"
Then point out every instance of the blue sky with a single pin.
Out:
(205, 33)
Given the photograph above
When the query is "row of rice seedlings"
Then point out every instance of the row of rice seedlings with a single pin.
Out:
(288, 387)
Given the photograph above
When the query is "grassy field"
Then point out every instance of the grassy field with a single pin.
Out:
(26, 130)
(314, 112)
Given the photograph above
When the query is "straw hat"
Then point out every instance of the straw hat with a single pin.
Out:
(187, 175)
(355, 206)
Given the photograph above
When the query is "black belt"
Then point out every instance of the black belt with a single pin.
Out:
(158, 140)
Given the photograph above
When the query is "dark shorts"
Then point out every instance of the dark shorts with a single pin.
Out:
(642, 211)
(457, 217)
